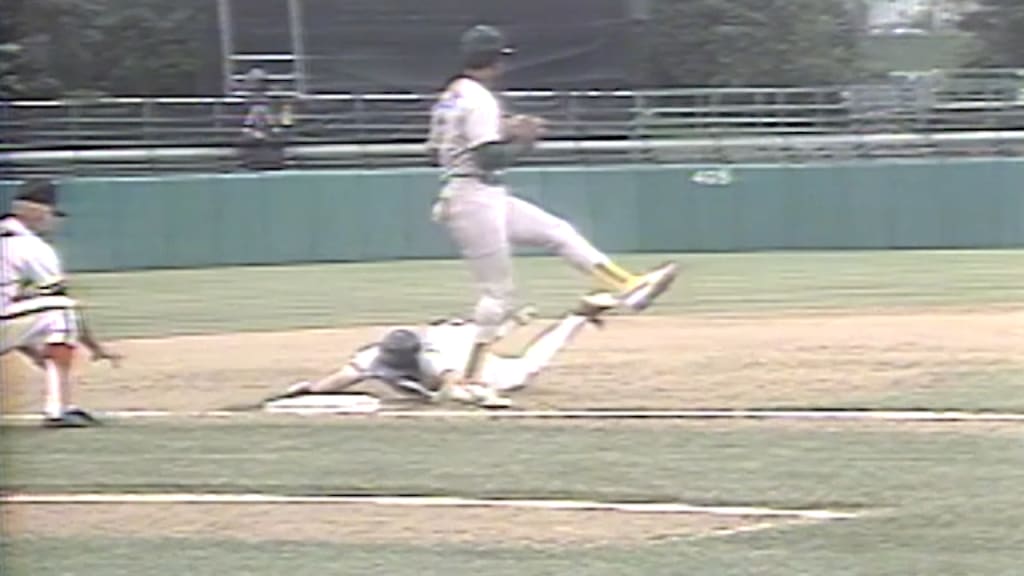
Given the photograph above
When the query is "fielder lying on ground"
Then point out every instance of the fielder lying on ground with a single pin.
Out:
(428, 364)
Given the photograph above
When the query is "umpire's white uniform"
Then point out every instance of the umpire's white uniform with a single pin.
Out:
(33, 309)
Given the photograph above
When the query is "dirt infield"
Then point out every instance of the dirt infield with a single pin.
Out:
(641, 362)
(369, 524)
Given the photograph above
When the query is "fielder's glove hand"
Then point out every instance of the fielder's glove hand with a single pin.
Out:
(523, 128)
(102, 353)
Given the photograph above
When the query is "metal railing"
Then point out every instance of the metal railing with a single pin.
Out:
(133, 161)
(117, 134)
(394, 118)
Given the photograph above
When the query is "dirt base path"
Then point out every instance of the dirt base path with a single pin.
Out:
(636, 362)
(354, 523)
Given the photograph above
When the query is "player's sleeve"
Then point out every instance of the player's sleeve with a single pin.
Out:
(433, 143)
(364, 357)
(437, 351)
(436, 368)
(483, 119)
(447, 347)
(44, 270)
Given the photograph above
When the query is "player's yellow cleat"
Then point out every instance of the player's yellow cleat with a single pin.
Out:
(613, 276)
(644, 290)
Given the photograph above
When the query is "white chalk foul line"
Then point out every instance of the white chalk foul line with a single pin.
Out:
(883, 415)
(822, 415)
(428, 501)
(725, 532)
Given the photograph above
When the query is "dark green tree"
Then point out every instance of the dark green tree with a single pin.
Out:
(121, 47)
(738, 42)
(998, 25)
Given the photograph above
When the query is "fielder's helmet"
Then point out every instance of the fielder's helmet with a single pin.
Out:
(483, 45)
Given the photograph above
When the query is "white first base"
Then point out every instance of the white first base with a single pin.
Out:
(325, 404)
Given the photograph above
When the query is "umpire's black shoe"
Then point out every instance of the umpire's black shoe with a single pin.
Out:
(71, 418)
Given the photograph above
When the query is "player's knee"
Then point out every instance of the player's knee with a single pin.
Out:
(490, 310)
(61, 353)
(489, 314)
(562, 234)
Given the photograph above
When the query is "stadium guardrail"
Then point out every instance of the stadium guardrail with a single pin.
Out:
(118, 134)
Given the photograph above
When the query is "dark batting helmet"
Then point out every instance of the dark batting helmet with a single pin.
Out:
(483, 45)
(399, 351)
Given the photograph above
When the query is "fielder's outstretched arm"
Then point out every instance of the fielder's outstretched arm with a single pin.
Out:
(352, 374)
(335, 382)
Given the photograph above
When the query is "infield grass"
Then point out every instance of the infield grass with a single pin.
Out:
(160, 303)
(933, 501)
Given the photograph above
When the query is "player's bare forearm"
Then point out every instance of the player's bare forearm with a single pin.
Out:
(449, 378)
(98, 350)
(337, 381)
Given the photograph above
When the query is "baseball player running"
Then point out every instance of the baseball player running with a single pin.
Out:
(427, 363)
(37, 317)
(473, 143)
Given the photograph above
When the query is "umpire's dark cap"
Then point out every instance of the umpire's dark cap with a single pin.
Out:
(40, 191)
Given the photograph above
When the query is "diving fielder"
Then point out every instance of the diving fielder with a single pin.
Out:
(37, 317)
(473, 143)
(428, 363)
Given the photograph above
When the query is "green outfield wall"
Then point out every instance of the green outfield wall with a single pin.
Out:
(282, 217)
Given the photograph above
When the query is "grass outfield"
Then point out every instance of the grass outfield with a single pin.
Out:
(160, 303)
(930, 498)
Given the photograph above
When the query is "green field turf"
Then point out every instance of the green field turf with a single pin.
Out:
(935, 499)
(933, 502)
(158, 303)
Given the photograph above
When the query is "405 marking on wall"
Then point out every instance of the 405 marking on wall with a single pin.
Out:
(713, 177)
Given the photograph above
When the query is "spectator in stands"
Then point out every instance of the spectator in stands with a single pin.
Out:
(264, 133)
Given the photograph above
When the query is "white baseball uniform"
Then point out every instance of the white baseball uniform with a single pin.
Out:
(33, 311)
(447, 347)
(482, 218)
